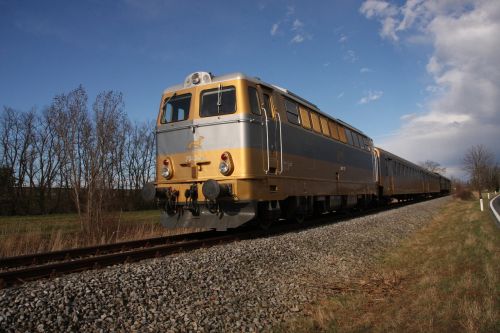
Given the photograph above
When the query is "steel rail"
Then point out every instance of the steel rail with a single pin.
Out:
(41, 258)
(19, 276)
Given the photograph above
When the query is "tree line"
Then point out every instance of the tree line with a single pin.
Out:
(93, 154)
(483, 171)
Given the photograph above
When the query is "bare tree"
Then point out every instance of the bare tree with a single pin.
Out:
(140, 155)
(433, 167)
(46, 147)
(478, 161)
(16, 135)
(494, 178)
(107, 138)
(89, 154)
(73, 127)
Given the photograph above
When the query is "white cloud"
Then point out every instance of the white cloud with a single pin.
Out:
(297, 25)
(340, 95)
(298, 38)
(343, 38)
(299, 33)
(463, 107)
(350, 56)
(290, 27)
(274, 29)
(371, 8)
(365, 70)
(370, 96)
(388, 28)
(408, 116)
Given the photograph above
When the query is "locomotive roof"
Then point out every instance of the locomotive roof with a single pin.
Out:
(257, 80)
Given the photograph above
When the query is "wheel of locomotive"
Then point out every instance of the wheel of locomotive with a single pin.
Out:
(265, 223)
(268, 214)
(296, 210)
(299, 217)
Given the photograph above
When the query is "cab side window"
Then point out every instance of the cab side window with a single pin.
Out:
(253, 99)
(292, 111)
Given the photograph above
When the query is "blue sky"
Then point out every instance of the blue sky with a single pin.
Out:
(369, 63)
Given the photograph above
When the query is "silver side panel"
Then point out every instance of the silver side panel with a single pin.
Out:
(208, 134)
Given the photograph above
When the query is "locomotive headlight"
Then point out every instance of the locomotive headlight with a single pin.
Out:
(224, 168)
(226, 164)
(167, 171)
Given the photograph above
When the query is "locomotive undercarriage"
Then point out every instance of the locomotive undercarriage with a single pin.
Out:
(221, 211)
(218, 210)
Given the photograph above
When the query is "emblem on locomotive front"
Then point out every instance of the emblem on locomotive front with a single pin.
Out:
(195, 144)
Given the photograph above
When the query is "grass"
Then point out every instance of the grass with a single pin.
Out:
(41, 233)
(445, 278)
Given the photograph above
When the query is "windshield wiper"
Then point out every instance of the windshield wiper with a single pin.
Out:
(168, 100)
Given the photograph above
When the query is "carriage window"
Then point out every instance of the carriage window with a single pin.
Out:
(324, 126)
(367, 143)
(315, 122)
(304, 117)
(342, 134)
(349, 136)
(254, 101)
(292, 112)
(176, 108)
(355, 139)
(333, 130)
(218, 101)
(362, 142)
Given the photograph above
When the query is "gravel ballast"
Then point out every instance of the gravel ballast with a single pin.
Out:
(245, 286)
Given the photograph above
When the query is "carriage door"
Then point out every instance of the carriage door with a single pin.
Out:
(272, 147)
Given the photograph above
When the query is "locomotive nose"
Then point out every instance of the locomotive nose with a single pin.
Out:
(212, 190)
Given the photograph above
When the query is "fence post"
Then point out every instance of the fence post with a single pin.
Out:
(481, 204)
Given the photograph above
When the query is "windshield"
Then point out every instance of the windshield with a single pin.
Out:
(218, 101)
(176, 108)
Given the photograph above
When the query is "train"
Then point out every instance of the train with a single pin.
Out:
(232, 149)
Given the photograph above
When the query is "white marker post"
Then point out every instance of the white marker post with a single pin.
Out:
(481, 204)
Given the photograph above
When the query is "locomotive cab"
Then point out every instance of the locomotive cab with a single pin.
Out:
(205, 161)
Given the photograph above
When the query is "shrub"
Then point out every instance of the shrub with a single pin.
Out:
(463, 193)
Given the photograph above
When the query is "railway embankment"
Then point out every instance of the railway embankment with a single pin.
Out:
(253, 285)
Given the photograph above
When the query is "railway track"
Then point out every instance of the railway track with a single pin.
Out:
(79, 253)
(20, 269)
(52, 264)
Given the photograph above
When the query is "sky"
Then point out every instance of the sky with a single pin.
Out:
(422, 78)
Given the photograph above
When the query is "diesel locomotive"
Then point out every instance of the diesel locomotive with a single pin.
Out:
(233, 148)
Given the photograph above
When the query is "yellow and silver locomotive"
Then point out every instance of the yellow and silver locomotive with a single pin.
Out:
(232, 148)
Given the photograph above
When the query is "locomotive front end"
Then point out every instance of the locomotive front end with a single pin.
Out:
(202, 155)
